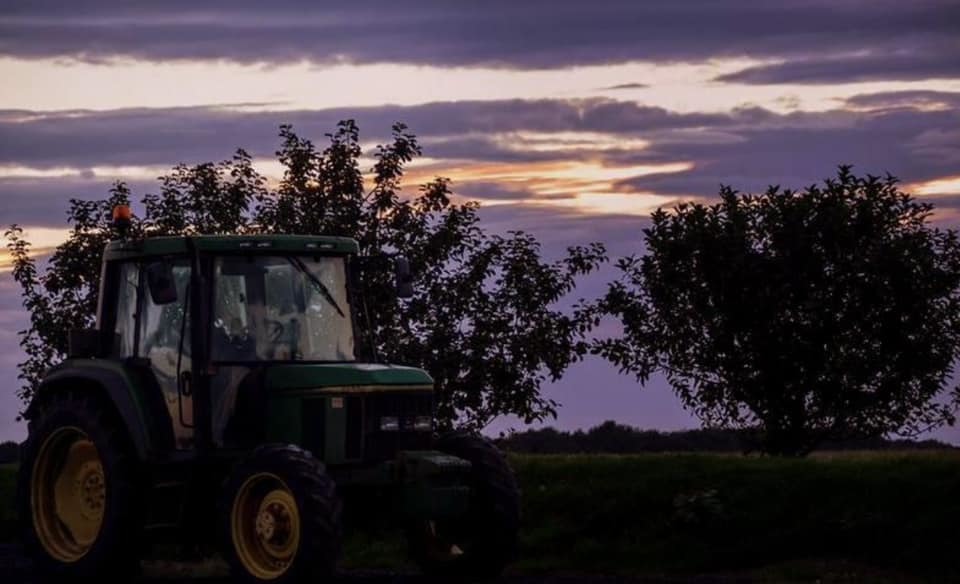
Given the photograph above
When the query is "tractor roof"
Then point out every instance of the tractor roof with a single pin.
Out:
(158, 246)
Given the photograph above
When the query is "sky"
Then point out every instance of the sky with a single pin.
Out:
(570, 120)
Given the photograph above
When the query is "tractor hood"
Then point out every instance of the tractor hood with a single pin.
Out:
(358, 376)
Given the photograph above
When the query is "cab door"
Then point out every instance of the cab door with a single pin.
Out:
(145, 336)
(237, 396)
(164, 340)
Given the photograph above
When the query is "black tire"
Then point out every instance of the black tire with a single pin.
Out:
(480, 545)
(113, 554)
(317, 507)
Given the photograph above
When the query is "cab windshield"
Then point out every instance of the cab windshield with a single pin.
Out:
(281, 308)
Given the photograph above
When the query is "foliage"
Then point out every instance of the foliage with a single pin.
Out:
(483, 321)
(613, 438)
(824, 314)
(65, 296)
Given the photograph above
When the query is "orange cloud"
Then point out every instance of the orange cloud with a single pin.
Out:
(587, 186)
(949, 185)
(43, 242)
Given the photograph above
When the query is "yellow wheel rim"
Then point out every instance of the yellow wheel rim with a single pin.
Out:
(68, 494)
(265, 526)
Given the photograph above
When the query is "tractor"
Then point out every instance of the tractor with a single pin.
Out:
(227, 400)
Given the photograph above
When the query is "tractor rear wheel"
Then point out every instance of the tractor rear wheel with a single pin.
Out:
(77, 494)
(281, 517)
(480, 545)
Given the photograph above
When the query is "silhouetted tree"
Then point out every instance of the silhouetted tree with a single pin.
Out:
(825, 314)
(613, 438)
(482, 322)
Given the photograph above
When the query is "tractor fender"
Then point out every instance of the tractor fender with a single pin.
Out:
(116, 385)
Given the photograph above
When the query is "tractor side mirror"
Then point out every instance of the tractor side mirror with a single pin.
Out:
(404, 277)
(160, 282)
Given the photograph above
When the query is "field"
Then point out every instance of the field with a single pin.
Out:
(701, 513)
(847, 517)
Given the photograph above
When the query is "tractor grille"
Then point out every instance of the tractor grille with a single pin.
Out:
(384, 445)
(363, 440)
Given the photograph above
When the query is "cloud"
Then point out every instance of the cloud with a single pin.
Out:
(493, 191)
(168, 135)
(931, 63)
(914, 99)
(594, 156)
(942, 193)
(798, 149)
(44, 201)
(532, 34)
(626, 86)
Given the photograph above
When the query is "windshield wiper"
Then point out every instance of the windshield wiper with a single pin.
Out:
(320, 286)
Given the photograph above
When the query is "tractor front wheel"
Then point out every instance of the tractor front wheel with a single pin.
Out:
(281, 517)
(479, 545)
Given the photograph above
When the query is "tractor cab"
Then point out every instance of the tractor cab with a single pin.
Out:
(255, 338)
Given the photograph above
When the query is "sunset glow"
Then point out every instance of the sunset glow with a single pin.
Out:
(683, 87)
(944, 186)
(43, 240)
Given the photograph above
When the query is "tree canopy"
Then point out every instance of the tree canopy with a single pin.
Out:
(483, 321)
(830, 313)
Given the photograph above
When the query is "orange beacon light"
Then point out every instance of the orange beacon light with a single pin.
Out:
(121, 219)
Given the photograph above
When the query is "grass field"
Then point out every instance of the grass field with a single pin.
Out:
(696, 513)
(852, 516)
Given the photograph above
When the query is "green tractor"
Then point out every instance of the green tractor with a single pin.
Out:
(226, 400)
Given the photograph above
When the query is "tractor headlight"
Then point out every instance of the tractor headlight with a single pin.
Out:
(423, 424)
(389, 424)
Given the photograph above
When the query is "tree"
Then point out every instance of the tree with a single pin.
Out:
(483, 321)
(830, 313)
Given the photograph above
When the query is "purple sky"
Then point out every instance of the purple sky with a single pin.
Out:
(570, 120)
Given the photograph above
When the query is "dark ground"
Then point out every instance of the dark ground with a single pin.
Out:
(16, 570)
(679, 518)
